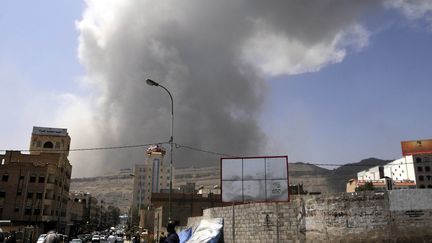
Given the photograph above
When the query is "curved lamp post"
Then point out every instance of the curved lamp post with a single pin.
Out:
(153, 83)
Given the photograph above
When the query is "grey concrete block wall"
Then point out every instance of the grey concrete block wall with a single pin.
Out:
(344, 217)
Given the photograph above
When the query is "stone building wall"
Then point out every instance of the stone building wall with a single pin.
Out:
(398, 216)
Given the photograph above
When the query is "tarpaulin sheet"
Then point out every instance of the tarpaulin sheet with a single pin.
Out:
(184, 235)
(209, 230)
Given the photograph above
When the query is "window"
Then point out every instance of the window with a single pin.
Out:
(428, 177)
(48, 144)
(418, 160)
(421, 178)
(27, 211)
(41, 179)
(419, 168)
(2, 194)
(33, 178)
(16, 210)
(427, 168)
(429, 186)
(5, 177)
(30, 195)
(37, 212)
(422, 186)
(39, 195)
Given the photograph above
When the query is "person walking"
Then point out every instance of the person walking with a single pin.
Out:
(52, 237)
(172, 235)
(162, 238)
(111, 238)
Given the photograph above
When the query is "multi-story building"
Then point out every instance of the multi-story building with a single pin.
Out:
(150, 177)
(34, 187)
(398, 170)
(420, 154)
(413, 170)
(74, 215)
(91, 211)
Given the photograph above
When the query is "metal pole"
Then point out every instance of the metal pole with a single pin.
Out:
(171, 154)
(153, 83)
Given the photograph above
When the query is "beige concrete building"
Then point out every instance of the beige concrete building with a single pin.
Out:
(150, 177)
(34, 187)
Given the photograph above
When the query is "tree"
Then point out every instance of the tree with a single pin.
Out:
(368, 186)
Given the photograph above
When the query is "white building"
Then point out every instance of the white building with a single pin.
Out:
(398, 170)
(152, 176)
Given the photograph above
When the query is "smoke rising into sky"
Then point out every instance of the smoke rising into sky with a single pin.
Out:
(214, 57)
(324, 81)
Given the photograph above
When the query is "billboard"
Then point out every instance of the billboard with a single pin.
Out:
(254, 179)
(416, 147)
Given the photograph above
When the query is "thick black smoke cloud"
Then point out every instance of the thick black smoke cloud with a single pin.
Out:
(214, 56)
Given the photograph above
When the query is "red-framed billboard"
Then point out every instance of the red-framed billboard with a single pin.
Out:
(416, 147)
(254, 179)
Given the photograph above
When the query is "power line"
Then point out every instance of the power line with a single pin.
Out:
(204, 151)
(317, 164)
(189, 148)
(88, 149)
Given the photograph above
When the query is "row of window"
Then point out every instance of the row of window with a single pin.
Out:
(423, 186)
(422, 178)
(32, 179)
(424, 159)
(47, 144)
(149, 169)
(426, 168)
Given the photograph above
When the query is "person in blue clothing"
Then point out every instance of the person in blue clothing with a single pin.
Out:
(172, 235)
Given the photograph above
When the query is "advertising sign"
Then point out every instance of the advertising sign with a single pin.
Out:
(254, 179)
(416, 147)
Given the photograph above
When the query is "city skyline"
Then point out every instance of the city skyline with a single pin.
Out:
(326, 82)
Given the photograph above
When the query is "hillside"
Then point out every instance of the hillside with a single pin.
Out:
(117, 188)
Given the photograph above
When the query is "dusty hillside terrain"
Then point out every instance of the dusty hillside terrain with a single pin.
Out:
(117, 189)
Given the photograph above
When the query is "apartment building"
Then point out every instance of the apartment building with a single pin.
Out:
(34, 186)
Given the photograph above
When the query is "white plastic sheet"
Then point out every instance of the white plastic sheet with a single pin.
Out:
(207, 231)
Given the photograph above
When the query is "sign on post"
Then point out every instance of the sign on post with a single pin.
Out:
(255, 179)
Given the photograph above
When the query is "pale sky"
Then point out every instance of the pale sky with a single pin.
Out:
(330, 82)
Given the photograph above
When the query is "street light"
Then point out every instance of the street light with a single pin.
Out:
(153, 83)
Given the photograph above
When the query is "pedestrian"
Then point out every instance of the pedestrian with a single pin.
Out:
(52, 237)
(162, 238)
(111, 238)
(172, 235)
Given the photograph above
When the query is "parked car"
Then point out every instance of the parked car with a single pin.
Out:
(76, 241)
(95, 239)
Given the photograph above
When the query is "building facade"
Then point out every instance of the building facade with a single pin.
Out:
(420, 153)
(34, 187)
(398, 170)
(151, 177)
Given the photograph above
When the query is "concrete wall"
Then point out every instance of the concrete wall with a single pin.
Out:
(399, 216)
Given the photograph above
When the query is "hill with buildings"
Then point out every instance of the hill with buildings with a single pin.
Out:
(116, 188)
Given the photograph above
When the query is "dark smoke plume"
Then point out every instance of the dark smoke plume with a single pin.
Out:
(214, 56)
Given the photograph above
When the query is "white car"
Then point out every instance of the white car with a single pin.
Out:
(75, 241)
(95, 238)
